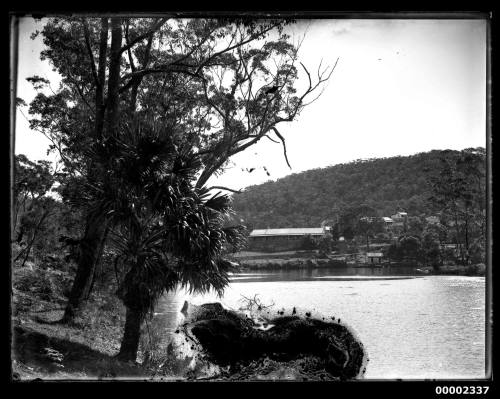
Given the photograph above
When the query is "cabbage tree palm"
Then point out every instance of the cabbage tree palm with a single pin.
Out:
(166, 231)
(184, 246)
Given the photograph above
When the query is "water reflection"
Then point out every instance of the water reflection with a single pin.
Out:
(325, 273)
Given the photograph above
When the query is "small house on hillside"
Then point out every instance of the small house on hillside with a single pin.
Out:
(399, 217)
(374, 257)
(399, 221)
(388, 222)
(283, 239)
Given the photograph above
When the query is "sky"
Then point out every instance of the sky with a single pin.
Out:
(400, 87)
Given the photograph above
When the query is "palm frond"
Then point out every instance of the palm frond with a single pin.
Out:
(167, 231)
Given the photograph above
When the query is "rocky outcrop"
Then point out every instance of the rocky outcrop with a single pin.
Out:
(267, 344)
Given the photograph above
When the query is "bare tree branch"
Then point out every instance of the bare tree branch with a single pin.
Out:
(284, 145)
(274, 141)
(227, 189)
(308, 75)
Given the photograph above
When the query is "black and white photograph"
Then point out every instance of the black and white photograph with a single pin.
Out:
(209, 197)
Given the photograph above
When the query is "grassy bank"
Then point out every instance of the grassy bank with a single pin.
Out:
(43, 348)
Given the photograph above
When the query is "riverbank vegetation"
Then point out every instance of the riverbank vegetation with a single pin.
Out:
(443, 195)
(44, 348)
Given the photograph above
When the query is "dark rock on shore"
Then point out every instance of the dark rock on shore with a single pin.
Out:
(268, 344)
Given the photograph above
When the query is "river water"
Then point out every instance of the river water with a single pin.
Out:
(414, 327)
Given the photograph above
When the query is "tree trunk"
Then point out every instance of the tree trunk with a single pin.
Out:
(95, 228)
(87, 262)
(33, 237)
(466, 232)
(98, 264)
(101, 76)
(131, 336)
(16, 212)
(135, 86)
(113, 101)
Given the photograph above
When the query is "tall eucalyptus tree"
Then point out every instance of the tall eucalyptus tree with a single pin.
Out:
(221, 85)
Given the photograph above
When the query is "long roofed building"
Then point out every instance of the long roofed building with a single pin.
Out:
(287, 239)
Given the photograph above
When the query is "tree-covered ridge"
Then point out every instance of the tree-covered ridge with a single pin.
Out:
(304, 199)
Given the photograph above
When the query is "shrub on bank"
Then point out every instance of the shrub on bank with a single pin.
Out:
(44, 283)
(291, 264)
(36, 281)
(476, 270)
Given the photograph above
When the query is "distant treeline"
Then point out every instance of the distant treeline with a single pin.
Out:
(306, 199)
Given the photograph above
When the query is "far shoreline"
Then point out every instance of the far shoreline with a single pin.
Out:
(275, 262)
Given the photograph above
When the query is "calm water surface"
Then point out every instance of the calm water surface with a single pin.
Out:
(413, 327)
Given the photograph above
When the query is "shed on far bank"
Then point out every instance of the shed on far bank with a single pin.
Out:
(374, 257)
(283, 239)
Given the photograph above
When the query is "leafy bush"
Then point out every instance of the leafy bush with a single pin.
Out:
(408, 248)
(325, 245)
(308, 243)
(476, 270)
(36, 281)
(45, 284)
(477, 253)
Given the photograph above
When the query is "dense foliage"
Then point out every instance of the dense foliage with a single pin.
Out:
(443, 192)
(41, 224)
(306, 199)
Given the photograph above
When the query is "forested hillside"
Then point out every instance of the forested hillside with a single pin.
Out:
(306, 199)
